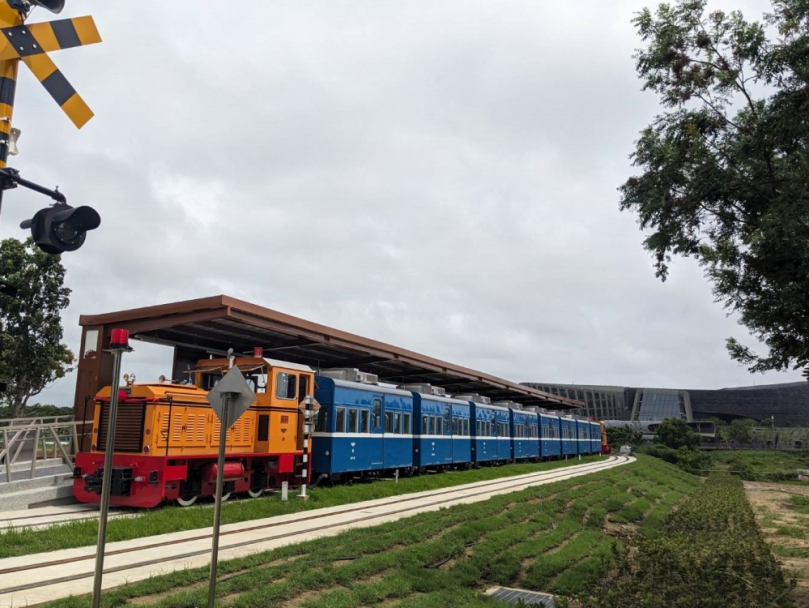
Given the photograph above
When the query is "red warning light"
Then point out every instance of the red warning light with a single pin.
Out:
(258, 351)
(119, 338)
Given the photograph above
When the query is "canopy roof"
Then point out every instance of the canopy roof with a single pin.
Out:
(213, 325)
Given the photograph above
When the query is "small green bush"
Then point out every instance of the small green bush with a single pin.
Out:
(708, 553)
(662, 452)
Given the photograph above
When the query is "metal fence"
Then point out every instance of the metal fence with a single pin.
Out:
(38, 438)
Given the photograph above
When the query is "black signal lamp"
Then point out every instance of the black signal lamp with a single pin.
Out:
(62, 227)
(54, 6)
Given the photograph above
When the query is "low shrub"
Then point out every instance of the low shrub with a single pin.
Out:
(660, 451)
(708, 553)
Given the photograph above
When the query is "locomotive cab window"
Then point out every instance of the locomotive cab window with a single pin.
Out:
(286, 385)
(303, 388)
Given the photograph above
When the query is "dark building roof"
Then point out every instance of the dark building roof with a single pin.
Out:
(788, 403)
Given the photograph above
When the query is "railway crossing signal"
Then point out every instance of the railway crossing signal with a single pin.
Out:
(31, 45)
(60, 227)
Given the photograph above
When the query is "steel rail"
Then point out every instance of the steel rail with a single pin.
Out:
(506, 483)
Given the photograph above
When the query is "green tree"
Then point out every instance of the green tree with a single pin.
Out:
(724, 170)
(740, 431)
(32, 354)
(623, 435)
(674, 433)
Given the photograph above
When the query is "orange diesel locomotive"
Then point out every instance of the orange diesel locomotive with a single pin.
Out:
(167, 437)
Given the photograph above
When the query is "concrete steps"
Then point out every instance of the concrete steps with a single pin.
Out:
(52, 484)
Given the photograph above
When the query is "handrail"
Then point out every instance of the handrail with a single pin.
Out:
(36, 420)
(20, 435)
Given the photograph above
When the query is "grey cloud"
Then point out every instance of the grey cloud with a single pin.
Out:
(441, 176)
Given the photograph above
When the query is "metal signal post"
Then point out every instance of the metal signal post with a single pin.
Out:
(229, 399)
(119, 344)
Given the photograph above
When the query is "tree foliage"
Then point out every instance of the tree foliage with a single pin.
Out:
(32, 354)
(674, 433)
(725, 170)
(623, 435)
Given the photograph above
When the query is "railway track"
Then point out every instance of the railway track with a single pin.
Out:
(33, 579)
(50, 516)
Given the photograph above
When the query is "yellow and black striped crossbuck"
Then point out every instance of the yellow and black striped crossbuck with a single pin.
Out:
(31, 45)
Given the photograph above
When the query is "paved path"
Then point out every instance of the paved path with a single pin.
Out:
(33, 579)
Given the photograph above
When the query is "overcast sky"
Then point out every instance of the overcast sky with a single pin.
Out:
(439, 175)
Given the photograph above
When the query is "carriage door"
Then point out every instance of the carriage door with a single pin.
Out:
(376, 442)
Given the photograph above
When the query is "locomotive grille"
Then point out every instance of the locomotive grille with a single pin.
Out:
(128, 427)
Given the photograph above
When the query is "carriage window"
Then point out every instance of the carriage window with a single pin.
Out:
(465, 427)
(455, 422)
(425, 425)
(389, 422)
(286, 385)
(322, 424)
(340, 425)
(406, 429)
(365, 416)
(446, 417)
(377, 413)
(397, 423)
(352, 420)
(440, 428)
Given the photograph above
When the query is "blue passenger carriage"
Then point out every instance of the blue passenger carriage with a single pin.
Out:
(489, 421)
(595, 437)
(361, 428)
(441, 436)
(550, 445)
(569, 438)
(524, 433)
(583, 435)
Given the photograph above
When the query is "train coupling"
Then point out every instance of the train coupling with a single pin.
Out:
(122, 479)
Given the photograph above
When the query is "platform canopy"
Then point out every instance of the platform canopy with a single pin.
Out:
(210, 326)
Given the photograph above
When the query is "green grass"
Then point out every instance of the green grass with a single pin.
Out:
(547, 538)
(761, 465)
(165, 519)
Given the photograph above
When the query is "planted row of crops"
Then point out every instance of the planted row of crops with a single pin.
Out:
(708, 553)
(548, 538)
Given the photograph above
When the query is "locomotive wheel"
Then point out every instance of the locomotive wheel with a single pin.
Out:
(225, 496)
(186, 502)
(255, 493)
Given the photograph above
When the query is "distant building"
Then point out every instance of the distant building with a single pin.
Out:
(785, 404)
(600, 402)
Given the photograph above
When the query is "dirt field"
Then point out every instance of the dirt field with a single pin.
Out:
(782, 511)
